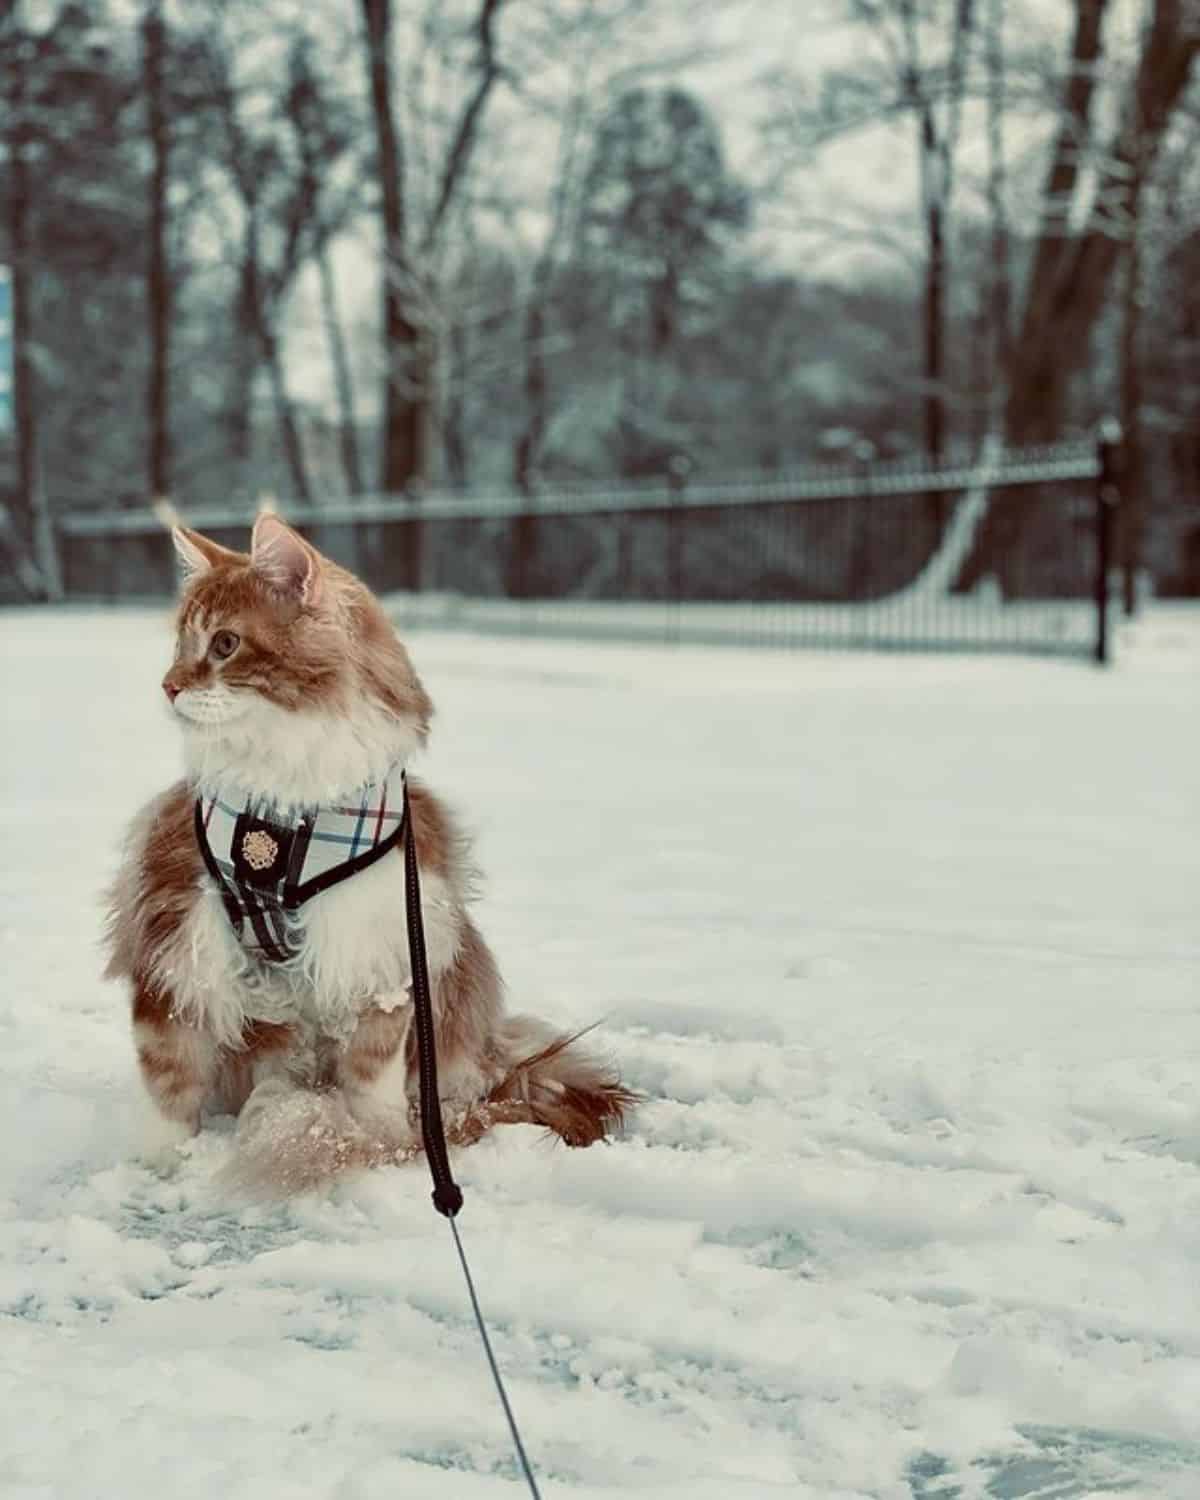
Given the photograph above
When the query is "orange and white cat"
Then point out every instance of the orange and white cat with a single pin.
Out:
(293, 692)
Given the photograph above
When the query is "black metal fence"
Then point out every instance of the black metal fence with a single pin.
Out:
(1006, 551)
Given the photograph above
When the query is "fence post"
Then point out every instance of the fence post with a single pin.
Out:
(45, 538)
(522, 547)
(1108, 498)
(414, 494)
(625, 574)
(22, 564)
(861, 558)
(677, 476)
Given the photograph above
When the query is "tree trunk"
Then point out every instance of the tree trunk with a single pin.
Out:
(1000, 279)
(257, 341)
(454, 407)
(1133, 489)
(1065, 300)
(935, 374)
(239, 401)
(1036, 394)
(404, 448)
(527, 450)
(24, 402)
(933, 317)
(30, 532)
(285, 415)
(1071, 275)
(528, 447)
(934, 174)
(935, 337)
(342, 380)
(523, 534)
(158, 287)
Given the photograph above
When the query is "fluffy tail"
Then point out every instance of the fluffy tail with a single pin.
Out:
(551, 1080)
(291, 1139)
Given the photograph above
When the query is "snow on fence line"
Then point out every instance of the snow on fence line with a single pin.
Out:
(966, 622)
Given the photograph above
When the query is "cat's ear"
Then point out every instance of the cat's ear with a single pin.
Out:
(196, 553)
(285, 561)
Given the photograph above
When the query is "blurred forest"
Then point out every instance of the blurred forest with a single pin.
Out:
(363, 246)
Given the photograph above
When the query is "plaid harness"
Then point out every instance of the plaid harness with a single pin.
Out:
(266, 868)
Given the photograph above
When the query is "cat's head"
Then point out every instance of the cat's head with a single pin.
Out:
(288, 679)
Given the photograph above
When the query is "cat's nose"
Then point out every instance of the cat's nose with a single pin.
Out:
(171, 689)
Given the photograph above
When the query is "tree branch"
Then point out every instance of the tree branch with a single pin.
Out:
(459, 154)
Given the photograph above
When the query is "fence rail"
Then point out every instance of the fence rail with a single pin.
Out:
(1029, 466)
(1007, 551)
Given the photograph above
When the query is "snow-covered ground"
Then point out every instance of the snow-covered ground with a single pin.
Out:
(915, 616)
(904, 954)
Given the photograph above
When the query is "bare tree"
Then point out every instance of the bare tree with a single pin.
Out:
(919, 68)
(1090, 210)
(660, 215)
(1071, 271)
(322, 134)
(938, 132)
(527, 447)
(1152, 332)
(343, 382)
(1132, 390)
(410, 246)
(19, 50)
(30, 129)
(404, 357)
(1000, 260)
(158, 276)
(253, 165)
(283, 136)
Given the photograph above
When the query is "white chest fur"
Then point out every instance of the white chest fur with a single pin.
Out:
(353, 954)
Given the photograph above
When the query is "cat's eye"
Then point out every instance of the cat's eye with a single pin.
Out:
(224, 644)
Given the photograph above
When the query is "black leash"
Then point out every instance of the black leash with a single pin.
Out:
(447, 1195)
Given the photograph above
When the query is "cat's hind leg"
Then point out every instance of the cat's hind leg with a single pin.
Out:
(179, 1063)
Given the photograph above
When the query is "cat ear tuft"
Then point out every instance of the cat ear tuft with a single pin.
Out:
(285, 561)
(196, 553)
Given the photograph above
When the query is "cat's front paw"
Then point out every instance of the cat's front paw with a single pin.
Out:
(164, 1144)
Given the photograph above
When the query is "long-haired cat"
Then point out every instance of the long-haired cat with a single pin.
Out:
(297, 702)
